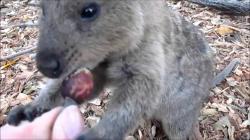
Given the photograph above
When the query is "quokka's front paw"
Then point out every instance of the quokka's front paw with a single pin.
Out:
(24, 112)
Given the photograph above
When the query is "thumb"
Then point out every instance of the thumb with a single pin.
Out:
(69, 124)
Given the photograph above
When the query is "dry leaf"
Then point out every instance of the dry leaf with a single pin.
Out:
(8, 64)
(224, 30)
(229, 101)
(238, 72)
(140, 134)
(97, 109)
(231, 131)
(153, 130)
(209, 112)
(24, 99)
(245, 124)
(235, 120)
(96, 101)
(83, 108)
(220, 107)
(92, 120)
(130, 138)
(222, 122)
(217, 90)
(4, 106)
(231, 81)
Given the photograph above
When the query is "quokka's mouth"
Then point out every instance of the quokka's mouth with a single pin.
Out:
(77, 71)
(78, 85)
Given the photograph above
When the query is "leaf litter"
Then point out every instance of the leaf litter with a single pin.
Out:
(226, 114)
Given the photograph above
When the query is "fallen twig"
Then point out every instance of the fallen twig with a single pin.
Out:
(22, 25)
(226, 72)
(18, 54)
(8, 64)
(34, 4)
(236, 7)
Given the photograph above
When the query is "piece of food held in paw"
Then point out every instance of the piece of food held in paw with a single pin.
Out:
(78, 86)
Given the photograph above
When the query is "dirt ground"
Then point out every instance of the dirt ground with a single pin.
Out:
(225, 116)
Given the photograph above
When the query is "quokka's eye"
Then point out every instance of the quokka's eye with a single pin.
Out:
(90, 11)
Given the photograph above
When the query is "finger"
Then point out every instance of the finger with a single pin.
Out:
(39, 129)
(42, 126)
(10, 132)
(69, 124)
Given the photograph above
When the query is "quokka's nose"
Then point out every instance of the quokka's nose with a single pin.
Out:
(49, 64)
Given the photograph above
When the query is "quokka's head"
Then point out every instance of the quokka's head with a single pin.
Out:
(83, 33)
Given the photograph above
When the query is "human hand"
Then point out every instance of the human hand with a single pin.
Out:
(59, 123)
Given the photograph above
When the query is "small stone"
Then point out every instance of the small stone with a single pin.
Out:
(153, 131)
